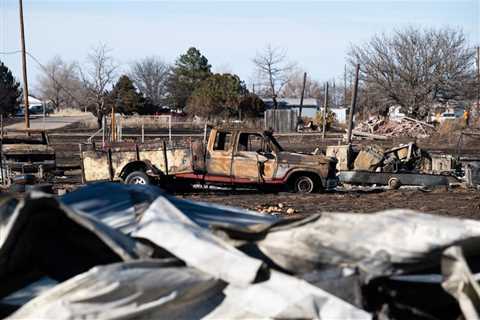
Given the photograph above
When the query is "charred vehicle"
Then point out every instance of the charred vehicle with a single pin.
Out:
(404, 165)
(229, 157)
(26, 159)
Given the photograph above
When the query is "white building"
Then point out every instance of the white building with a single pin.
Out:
(310, 107)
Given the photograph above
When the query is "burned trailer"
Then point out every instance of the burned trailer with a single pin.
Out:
(26, 157)
(404, 165)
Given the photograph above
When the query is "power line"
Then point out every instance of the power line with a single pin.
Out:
(6, 53)
(31, 56)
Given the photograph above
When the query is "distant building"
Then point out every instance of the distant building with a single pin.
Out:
(436, 110)
(36, 106)
(310, 107)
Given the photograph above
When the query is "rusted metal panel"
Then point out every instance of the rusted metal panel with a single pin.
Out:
(269, 168)
(179, 160)
(369, 159)
(246, 165)
(155, 157)
(95, 165)
(442, 163)
(219, 163)
(342, 154)
(120, 160)
(198, 153)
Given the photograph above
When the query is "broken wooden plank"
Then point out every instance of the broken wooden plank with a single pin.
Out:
(420, 122)
(369, 135)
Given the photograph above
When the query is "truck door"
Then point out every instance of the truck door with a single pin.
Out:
(253, 159)
(219, 155)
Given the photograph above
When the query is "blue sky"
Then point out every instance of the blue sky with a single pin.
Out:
(316, 34)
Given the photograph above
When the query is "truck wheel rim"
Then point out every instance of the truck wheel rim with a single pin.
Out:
(305, 185)
(138, 180)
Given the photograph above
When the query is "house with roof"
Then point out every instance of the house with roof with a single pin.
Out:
(310, 107)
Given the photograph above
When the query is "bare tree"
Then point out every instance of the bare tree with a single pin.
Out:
(150, 75)
(415, 68)
(293, 88)
(99, 72)
(60, 84)
(273, 69)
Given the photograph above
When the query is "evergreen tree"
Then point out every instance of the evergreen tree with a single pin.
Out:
(125, 97)
(9, 91)
(189, 71)
(223, 95)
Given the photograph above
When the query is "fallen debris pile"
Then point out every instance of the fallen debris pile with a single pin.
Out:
(280, 209)
(405, 127)
(162, 257)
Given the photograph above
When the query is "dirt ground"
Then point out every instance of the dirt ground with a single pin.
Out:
(456, 202)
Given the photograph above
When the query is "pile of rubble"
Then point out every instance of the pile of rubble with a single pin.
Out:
(275, 209)
(111, 251)
(405, 127)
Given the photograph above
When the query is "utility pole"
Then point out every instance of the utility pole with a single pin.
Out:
(478, 81)
(325, 105)
(352, 107)
(113, 125)
(302, 96)
(345, 87)
(334, 94)
(24, 67)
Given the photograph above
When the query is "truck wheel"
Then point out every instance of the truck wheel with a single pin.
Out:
(137, 177)
(304, 184)
(394, 183)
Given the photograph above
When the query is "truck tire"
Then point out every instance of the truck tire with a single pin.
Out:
(304, 184)
(137, 177)
(394, 183)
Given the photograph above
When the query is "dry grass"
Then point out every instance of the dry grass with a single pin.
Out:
(149, 122)
(162, 122)
(450, 126)
(87, 124)
(447, 132)
(70, 112)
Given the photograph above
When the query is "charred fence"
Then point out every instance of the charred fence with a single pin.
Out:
(281, 120)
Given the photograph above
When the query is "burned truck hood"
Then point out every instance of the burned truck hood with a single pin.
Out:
(294, 158)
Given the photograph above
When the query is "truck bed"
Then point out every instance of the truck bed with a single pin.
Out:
(107, 163)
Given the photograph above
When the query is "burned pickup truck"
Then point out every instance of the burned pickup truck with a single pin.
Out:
(230, 157)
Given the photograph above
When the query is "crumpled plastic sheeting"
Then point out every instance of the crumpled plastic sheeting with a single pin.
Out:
(460, 282)
(42, 237)
(116, 205)
(380, 244)
(132, 290)
(125, 247)
(365, 240)
(121, 206)
(169, 228)
(284, 297)
(155, 290)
